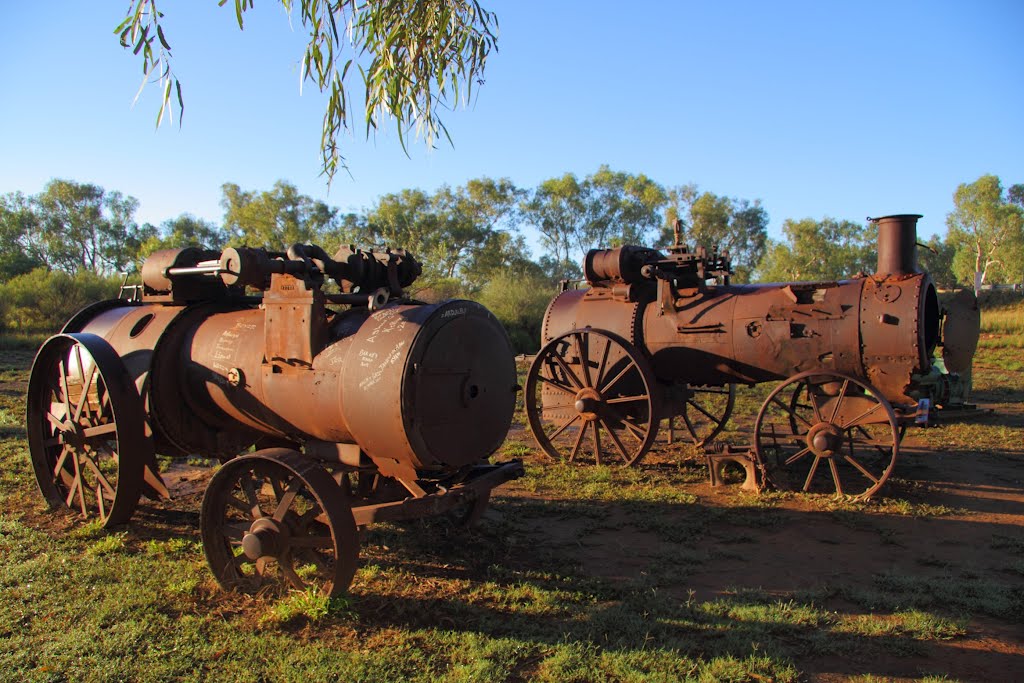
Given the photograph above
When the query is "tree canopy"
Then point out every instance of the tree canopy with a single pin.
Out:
(828, 249)
(986, 229)
(414, 57)
(486, 239)
(738, 226)
(606, 208)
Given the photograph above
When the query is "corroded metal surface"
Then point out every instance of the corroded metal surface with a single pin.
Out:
(678, 313)
(240, 349)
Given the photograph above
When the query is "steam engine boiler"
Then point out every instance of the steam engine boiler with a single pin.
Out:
(657, 335)
(328, 410)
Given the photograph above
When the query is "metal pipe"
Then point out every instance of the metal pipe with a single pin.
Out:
(897, 244)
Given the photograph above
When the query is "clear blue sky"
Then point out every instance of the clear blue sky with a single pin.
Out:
(815, 108)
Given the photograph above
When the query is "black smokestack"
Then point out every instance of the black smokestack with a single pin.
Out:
(897, 244)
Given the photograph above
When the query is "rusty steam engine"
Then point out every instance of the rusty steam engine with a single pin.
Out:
(328, 411)
(656, 336)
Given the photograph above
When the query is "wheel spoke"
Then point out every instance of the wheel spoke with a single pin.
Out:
(567, 370)
(706, 414)
(839, 401)
(551, 382)
(638, 432)
(59, 467)
(622, 373)
(100, 502)
(83, 400)
(103, 401)
(862, 469)
(780, 404)
(584, 358)
(579, 440)
(238, 505)
(627, 399)
(249, 488)
(59, 424)
(66, 398)
(275, 485)
(810, 474)
(855, 422)
(884, 447)
(778, 439)
(72, 488)
(314, 514)
(99, 430)
(286, 498)
(796, 456)
(99, 476)
(79, 486)
(234, 533)
(565, 425)
(603, 364)
(616, 441)
(597, 443)
(835, 476)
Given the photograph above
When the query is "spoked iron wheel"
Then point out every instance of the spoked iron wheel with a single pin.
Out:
(590, 398)
(827, 433)
(706, 411)
(274, 520)
(86, 428)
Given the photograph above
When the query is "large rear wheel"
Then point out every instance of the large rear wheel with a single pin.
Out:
(86, 428)
(590, 397)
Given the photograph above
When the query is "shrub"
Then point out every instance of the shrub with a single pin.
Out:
(42, 300)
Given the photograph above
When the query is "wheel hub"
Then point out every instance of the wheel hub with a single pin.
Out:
(825, 439)
(587, 402)
(264, 538)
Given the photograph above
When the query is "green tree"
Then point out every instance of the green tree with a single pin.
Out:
(623, 208)
(1015, 194)
(83, 227)
(415, 57)
(936, 258)
(712, 221)
(408, 220)
(823, 250)
(986, 227)
(607, 208)
(275, 218)
(471, 218)
(454, 232)
(502, 252)
(184, 231)
(557, 209)
(518, 300)
(20, 250)
(347, 229)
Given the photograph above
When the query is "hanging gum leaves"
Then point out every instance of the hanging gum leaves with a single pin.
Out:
(415, 58)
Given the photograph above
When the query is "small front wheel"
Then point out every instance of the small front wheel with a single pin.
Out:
(826, 432)
(274, 520)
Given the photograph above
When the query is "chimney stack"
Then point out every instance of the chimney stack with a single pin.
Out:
(897, 244)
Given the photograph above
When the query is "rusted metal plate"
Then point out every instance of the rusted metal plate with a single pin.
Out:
(960, 331)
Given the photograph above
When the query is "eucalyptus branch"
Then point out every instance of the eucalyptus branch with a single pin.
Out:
(415, 58)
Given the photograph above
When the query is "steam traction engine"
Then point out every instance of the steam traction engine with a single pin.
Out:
(381, 409)
(656, 336)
